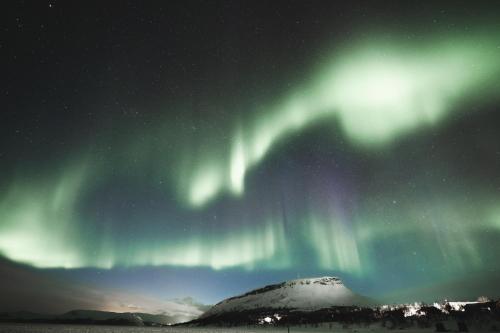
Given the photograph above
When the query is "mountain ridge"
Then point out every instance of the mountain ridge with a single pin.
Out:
(80, 316)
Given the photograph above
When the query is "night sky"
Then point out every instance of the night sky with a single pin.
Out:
(200, 149)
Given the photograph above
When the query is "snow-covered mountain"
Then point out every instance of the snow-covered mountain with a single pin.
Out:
(302, 294)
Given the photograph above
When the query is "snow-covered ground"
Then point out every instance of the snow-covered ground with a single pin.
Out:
(46, 328)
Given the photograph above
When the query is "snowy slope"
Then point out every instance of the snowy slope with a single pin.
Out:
(302, 294)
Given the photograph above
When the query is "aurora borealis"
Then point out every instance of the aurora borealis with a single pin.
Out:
(269, 141)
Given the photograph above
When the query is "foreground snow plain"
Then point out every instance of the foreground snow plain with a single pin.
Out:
(50, 328)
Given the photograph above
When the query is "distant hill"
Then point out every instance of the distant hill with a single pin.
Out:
(90, 317)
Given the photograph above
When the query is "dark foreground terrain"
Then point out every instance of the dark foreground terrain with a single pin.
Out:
(482, 316)
(47, 328)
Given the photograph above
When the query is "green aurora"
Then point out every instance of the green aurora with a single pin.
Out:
(364, 166)
(378, 91)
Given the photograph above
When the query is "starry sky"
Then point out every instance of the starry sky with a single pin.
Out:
(189, 148)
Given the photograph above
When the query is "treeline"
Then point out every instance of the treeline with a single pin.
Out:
(485, 315)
